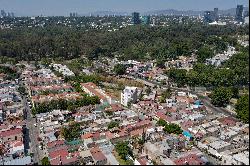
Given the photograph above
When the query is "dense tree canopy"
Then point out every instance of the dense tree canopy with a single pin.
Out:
(65, 104)
(82, 78)
(119, 69)
(178, 75)
(10, 73)
(113, 124)
(132, 42)
(161, 122)
(172, 128)
(123, 150)
(204, 53)
(221, 96)
(242, 108)
(45, 161)
(234, 72)
(165, 95)
(71, 132)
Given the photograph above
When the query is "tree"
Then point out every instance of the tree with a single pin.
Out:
(148, 90)
(109, 113)
(161, 42)
(21, 90)
(119, 69)
(123, 150)
(221, 96)
(160, 64)
(204, 53)
(177, 75)
(113, 124)
(45, 161)
(161, 122)
(242, 108)
(172, 128)
(71, 132)
(165, 95)
(235, 92)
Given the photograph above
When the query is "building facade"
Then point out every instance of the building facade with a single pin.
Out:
(136, 18)
(129, 94)
(239, 13)
(146, 20)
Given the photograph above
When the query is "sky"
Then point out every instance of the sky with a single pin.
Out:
(64, 7)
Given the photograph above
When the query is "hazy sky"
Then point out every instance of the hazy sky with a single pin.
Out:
(64, 7)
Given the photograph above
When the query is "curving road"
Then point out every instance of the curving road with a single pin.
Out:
(206, 100)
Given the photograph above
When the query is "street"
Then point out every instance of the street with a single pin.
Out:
(206, 101)
(31, 133)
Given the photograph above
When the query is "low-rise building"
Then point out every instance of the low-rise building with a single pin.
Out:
(129, 95)
(91, 89)
(98, 156)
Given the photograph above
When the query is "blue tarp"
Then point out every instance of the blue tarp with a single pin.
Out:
(197, 102)
(187, 134)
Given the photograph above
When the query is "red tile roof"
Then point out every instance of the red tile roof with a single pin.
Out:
(55, 161)
(136, 132)
(142, 123)
(109, 135)
(11, 132)
(71, 160)
(145, 102)
(64, 161)
(62, 152)
(142, 161)
(227, 121)
(171, 110)
(187, 124)
(55, 143)
(182, 99)
(92, 88)
(86, 136)
(80, 114)
(17, 143)
(122, 133)
(161, 115)
(191, 159)
(96, 135)
(97, 154)
(115, 107)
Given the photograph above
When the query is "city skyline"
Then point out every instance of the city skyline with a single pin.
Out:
(64, 7)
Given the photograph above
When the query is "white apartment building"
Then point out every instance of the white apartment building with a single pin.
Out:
(129, 94)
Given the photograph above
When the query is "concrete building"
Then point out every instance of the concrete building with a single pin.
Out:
(136, 18)
(11, 135)
(129, 94)
(91, 89)
(239, 13)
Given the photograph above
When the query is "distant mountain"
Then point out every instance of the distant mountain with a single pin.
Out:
(106, 13)
(230, 12)
(173, 12)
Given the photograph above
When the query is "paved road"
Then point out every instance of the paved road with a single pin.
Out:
(206, 101)
(32, 132)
